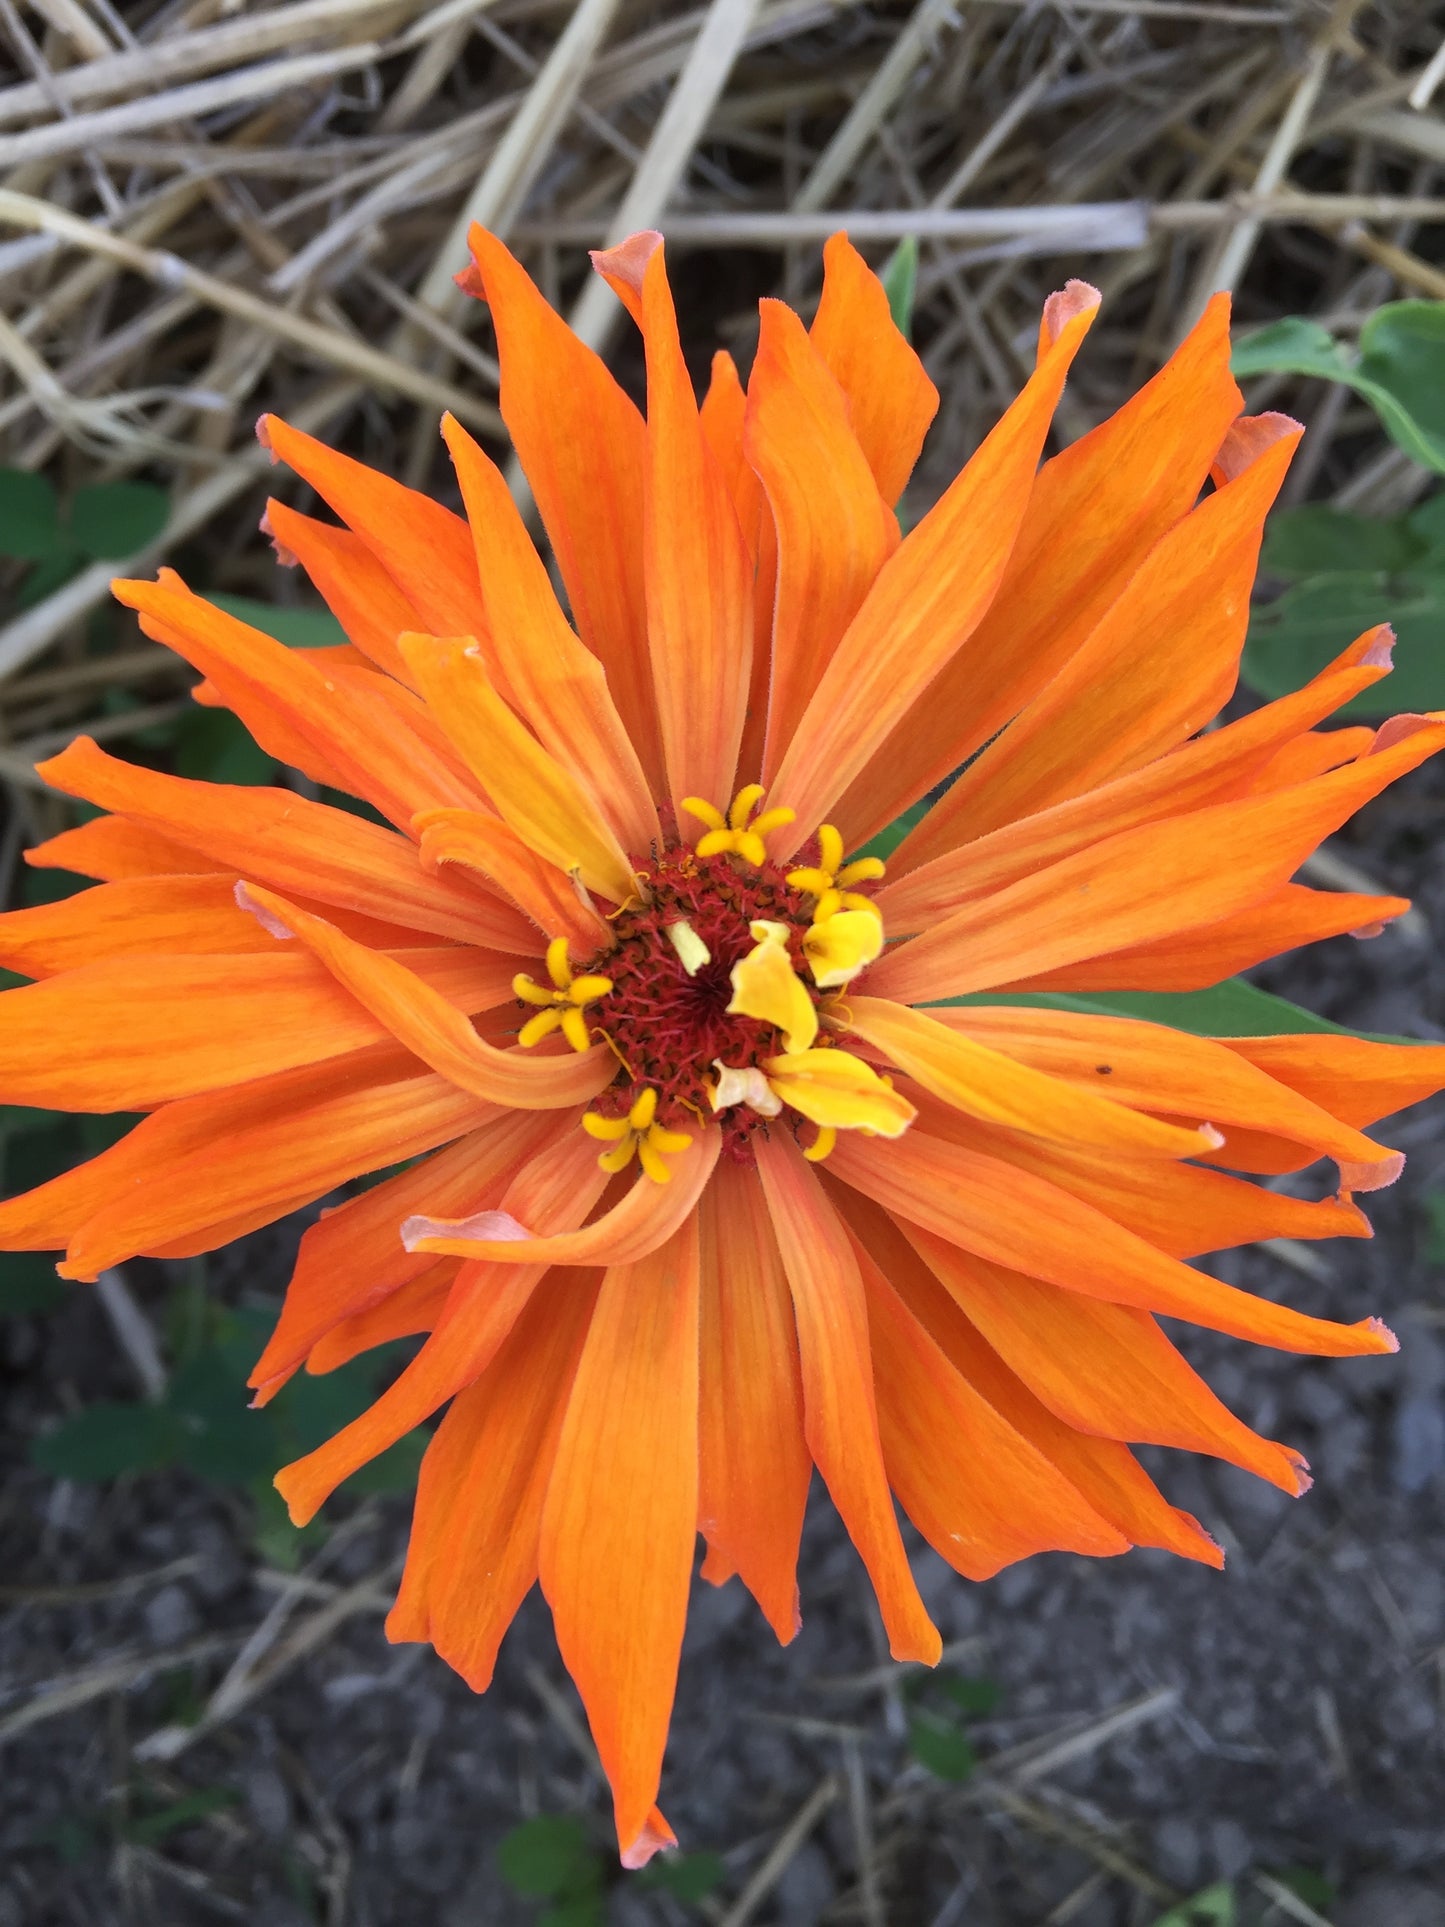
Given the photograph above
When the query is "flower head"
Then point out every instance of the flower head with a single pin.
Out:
(718, 1157)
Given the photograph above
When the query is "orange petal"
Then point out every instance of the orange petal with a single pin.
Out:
(355, 587)
(722, 414)
(840, 1416)
(285, 840)
(699, 572)
(164, 916)
(477, 1526)
(620, 1519)
(754, 1468)
(981, 1494)
(423, 547)
(412, 1308)
(1103, 1368)
(1181, 1209)
(1000, 1211)
(1094, 513)
(427, 1024)
(927, 601)
(536, 794)
(834, 529)
(114, 850)
(1152, 882)
(1356, 1080)
(170, 915)
(354, 721)
(130, 1033)
(989, 1085)
(1162, 660)
(354, 1258)
(560, 1186)
(1230, 1082)
(1105, 1472)
(584, 448)
(1214, 767)
(302, 1153)
(891, 401)
(1198, 958)
(556, 685)
(488, 845)
(646, 1216)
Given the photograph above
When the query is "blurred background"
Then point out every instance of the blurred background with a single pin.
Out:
(212, 208)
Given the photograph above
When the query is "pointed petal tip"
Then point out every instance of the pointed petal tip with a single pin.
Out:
(1379, 651)
(656, 1835)
(1066, 304)
(627, 262)
(248, 900)
(1381, 1332)
(1375, 1176)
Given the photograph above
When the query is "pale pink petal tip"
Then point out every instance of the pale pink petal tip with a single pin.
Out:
(263, 435)
(1381, 651)
(1214, 1139)
(655, 1835)
(1247, 439)
(1065, 305)
(1372, 1177)
(1380, 1329)
(627, 262)
(284, 556)
(267, 919)
(497, 1227)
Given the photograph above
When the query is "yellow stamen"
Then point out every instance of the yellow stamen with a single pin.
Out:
(839, 946)
(822, 1144)
(739, 833)
(766, 986)
(637, 1135)
(830, 880)
(562, 1007)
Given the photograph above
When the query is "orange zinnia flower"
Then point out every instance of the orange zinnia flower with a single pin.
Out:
(720, 1188)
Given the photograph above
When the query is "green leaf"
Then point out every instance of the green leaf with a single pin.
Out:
(1311, 1887)
(28, 1283)
(887, 840)
(551, 1857)
(900, 284)
(1293, 346)
(109, 1438)
(686, 1876)
(1400, 370)
(582, 1910)
(48, 886)
(976, 1696)
(942, 1748)
(30, 528)
(113, 520)
(1319, 540)
(48, 575)
(151, 1828)
(214, 746)
(225, 1440)
(1214, 1907)
(1232, 1009)
(297, 628)
(1294, 637)
(1435, 1237)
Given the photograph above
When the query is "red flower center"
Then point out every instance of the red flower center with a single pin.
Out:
(667, 1025)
